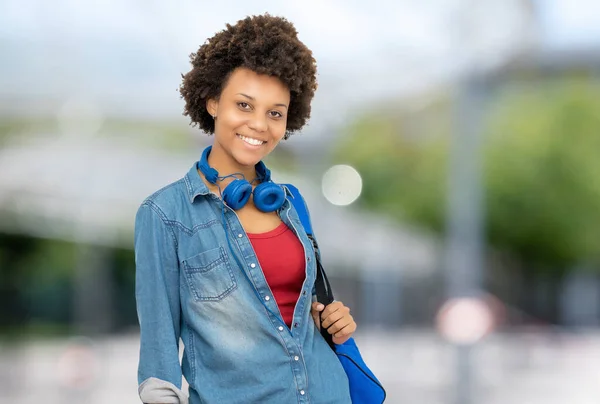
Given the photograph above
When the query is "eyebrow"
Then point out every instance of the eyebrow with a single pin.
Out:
(253, 99)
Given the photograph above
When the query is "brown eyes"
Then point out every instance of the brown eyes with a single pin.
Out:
(246, 107)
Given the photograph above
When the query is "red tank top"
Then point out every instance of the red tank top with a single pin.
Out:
(281, 257)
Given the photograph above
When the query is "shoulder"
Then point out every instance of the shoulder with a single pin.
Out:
(168, 200)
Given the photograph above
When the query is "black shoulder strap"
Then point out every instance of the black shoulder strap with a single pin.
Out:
(322, 286)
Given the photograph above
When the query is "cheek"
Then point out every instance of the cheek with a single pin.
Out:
(277, 137)
(278, 130)
(232, 119)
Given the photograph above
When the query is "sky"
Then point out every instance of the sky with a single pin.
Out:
(570, 23)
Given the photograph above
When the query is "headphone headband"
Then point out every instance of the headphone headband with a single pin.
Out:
(212, 175)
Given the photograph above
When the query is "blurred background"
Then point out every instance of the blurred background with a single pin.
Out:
(451, 165)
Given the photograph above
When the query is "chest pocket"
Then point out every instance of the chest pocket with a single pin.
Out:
(209, 275)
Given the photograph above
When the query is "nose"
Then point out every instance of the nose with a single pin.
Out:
(258, 123)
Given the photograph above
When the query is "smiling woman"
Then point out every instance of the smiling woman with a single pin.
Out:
(222, 261)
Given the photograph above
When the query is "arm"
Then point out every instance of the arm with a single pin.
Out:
(157, 301)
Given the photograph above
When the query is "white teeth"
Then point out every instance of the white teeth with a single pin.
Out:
(249, 140)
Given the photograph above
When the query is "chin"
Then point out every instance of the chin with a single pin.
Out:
(246, 159)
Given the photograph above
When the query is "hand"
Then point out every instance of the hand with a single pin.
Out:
(336, 318)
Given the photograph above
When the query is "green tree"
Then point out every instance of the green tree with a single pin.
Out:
(543, 175)
(397, 179)
(542, 171)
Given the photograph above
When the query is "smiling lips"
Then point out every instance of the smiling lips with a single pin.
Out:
(251, 141)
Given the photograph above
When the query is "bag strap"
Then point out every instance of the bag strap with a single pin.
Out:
(322, 285)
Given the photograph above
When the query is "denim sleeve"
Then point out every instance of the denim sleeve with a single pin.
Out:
(158, 306)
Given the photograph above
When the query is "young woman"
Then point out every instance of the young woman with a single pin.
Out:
(222, 260)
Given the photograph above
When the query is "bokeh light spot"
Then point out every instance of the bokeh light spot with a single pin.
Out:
(341, 185)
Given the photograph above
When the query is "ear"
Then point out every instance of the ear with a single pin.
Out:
(212, 106)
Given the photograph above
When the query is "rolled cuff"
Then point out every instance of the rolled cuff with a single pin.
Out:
(157, 391)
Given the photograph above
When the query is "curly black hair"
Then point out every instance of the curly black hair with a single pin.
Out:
(265, 44)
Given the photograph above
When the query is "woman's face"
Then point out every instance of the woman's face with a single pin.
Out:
(251, 116)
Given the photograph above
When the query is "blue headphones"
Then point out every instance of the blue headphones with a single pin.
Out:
(268, 196)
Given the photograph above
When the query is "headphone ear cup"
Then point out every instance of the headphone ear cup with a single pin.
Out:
(268, 197)
(237, 193)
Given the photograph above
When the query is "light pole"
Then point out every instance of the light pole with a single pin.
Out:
(476, 29)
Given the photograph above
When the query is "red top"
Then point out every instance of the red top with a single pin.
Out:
(281, 257)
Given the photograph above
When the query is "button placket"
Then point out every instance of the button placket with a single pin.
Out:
(291, 341)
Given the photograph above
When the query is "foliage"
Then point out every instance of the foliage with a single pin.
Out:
(541, 179)
(543, 174)
(402, 176)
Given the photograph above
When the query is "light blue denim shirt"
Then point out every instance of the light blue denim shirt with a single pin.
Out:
(190, 287)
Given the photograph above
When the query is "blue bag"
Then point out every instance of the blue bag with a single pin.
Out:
(364, 386)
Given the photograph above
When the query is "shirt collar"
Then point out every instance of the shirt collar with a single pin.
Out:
(195, 185)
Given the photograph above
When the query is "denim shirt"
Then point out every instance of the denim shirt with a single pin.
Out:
(189, 286)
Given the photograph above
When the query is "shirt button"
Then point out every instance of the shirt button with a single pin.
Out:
(267, 298)
(296, 325)
(240, 235)
(280, 328)
(301, 392)
(296, 358)
(252, 265)
(304, 293)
